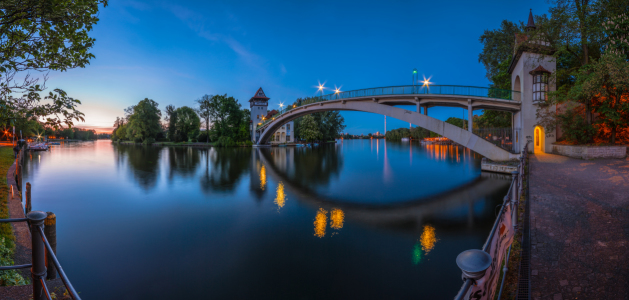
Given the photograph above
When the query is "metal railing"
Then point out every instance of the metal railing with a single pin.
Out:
(512, 198)
(407, 90)
(41, 250)
(505, 138)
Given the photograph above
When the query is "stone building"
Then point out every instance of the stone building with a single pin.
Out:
(530, 68)
(259, 104)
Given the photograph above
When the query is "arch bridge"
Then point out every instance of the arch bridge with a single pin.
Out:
(384, 99)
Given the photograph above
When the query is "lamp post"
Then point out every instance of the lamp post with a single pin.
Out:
(321, 89)
(415, 76)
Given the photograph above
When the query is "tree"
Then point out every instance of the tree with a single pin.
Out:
(497, 48)
(605, 84)
(42, 36)
(144, 122)
(206, 111)
(172, 126)
(187, 124)
(168, 110)
(310, 129)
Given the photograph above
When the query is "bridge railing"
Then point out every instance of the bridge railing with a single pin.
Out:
(406, 90)
(505, 138)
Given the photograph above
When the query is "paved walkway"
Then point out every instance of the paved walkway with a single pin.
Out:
(579, 228)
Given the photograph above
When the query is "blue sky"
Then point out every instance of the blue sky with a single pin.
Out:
(176, 51)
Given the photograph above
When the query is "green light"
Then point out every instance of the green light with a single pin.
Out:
(414, 71)
(417, 254)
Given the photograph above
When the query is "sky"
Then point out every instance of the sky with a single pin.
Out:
(174, 52)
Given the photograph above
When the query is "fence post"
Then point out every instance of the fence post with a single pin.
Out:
(514, 198)
(38, 270)
(51, 235)
(28, 198)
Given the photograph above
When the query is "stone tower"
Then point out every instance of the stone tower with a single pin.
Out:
(530, 68)
(258, 105)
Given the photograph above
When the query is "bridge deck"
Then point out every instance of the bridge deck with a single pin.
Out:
(435, 95)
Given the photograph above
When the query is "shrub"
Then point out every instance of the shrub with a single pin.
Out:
(225, 141)
(575, 127)
(9, 277)
(202, 137)
(148, 141)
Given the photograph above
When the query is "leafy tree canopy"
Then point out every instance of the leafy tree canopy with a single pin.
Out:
(40, 35)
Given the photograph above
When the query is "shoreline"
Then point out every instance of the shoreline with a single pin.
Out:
(22, 253)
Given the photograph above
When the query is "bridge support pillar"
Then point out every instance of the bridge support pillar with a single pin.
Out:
(426, 110)
(470, 115)
(418, 108)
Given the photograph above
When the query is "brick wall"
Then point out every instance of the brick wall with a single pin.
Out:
(591, 152)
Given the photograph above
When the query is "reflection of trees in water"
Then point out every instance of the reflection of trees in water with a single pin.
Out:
(224, 167)
(142, 161)
(183, 161)
(307, 168)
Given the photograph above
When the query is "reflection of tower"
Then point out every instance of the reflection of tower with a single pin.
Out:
(257, 175)
(385, 125)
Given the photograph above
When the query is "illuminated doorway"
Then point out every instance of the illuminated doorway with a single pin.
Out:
(538, 140)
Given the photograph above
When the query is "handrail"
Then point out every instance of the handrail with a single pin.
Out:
(51, 255)
(62, 274)
(458, 90)
(514, 185)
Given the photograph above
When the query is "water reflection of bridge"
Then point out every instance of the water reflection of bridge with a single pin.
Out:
(273, 163)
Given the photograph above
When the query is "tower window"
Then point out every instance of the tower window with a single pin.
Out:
(540, 84)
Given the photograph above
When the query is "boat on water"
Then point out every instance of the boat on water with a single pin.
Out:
(38, 147)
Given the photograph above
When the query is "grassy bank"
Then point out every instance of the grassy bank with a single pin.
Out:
(7, 239)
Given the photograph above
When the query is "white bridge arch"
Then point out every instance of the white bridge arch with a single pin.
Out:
(383, 104)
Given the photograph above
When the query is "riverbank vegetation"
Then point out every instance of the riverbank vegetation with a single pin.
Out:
(226, 123)
(7, 239)
(590, 43)
(319, 127)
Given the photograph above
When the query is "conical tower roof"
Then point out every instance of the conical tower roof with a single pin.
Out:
(259, 95)
(531, 23)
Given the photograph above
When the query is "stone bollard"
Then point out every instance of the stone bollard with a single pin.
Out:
(51, 235)
(38, 270)
(28, 198)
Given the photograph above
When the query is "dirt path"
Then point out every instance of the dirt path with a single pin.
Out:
(579, 228)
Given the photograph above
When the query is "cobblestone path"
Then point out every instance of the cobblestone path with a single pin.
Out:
(579, 228)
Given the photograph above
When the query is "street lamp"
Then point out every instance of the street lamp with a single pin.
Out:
(415, 76)
(321, 88)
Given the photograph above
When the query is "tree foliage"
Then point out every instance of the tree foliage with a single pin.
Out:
(309, 129)
(605, 84)
(42, 36)
(144, 121)
(206, 111)
(187, 124)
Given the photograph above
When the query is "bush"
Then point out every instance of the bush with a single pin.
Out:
(9, 277)
(575, 127)
(225, 141)
(148, 141)
(202, 137)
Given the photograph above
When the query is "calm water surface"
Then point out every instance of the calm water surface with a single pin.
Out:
(362, 219)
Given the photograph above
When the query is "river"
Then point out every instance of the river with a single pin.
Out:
(360, 219)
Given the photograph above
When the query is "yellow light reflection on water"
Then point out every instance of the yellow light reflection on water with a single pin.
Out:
(263, 178)
(280, 196)
(428, 239)
(336, 218)
(320, 223)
